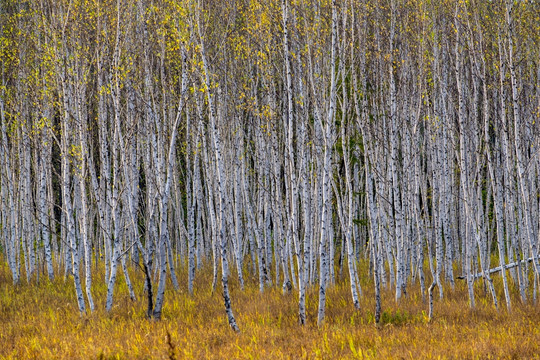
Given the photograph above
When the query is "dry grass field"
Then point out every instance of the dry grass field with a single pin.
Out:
(41, 321)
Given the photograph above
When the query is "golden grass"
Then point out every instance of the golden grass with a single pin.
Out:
(42, 321)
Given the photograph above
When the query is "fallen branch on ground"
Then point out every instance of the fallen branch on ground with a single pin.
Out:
(499, 268)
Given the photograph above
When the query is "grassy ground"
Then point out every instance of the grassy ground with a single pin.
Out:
(42, 321)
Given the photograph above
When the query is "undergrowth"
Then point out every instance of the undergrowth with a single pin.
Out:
(42, 321)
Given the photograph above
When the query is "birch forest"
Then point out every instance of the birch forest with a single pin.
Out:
(153, 149)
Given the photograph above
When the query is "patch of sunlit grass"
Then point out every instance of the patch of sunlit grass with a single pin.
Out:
(42, 321)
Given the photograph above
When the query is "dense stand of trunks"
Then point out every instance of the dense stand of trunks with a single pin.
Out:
(287, 139)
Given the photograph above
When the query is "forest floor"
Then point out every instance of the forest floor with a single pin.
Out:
(42, 321)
